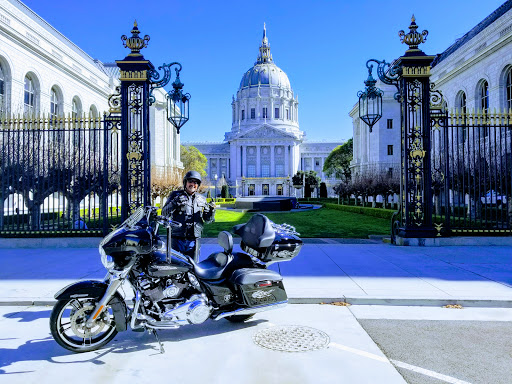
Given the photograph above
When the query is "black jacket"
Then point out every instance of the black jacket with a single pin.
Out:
(192, 211)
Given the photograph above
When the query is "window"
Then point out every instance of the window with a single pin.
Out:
(243, 114)
(2, 89)
(390, 173)
(265, 113)
(54, 104)
(484, 96)
(279, 170)
(276, 113)
(461, 108)
(265, 170)
(390, 123)
(287, 114)
(484, 102)
(251, 170)
(390, 150)
(279, 189)
(508, 86)
(265, 189)
(252, 189)
(317, 162)
(30, 95)
(253, 113)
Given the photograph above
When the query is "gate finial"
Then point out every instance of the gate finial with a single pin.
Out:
(413, 38)
(135, 42)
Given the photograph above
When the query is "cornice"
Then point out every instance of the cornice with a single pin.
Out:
(53, 61)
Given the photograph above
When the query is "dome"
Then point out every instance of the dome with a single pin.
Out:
(264, 72)
(264, 75)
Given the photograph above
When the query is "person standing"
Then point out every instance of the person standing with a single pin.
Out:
(191, 209)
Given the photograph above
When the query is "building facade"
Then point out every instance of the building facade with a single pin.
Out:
(474, 75)
(43, 73)
(265, 146)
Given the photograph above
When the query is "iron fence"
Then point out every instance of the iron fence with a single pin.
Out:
(60, 176)
(471, 172)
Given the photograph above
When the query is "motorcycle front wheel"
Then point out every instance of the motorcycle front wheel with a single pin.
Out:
(69, 329)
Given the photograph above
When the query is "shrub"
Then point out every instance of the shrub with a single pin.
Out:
(375, 212)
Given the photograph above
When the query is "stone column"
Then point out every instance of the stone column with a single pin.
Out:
(287, 171)
(272, 165)
(258, 160)
(243, 173)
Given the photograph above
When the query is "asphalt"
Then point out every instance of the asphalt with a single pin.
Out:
(326, 270)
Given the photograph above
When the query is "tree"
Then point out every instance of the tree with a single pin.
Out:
(323, 190)
(337, 164)
(165, 182)
(311, 180)
(193, 160)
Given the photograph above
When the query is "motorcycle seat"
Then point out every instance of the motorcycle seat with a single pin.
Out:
(212, 267)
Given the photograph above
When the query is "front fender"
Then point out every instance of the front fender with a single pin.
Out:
(95, 290)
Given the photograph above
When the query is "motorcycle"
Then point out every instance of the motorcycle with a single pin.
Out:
(170, 290)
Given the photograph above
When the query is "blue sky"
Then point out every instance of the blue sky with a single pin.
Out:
(322, 45)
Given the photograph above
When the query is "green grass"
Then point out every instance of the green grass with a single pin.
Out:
(314, 223)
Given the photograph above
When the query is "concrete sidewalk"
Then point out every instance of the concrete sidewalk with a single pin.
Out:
(326, 270)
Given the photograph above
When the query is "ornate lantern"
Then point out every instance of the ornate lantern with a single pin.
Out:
(370, 101)
(177, 104)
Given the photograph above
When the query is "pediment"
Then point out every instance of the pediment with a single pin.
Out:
(266, 132)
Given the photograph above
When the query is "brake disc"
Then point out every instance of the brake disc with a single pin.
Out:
(78, 322)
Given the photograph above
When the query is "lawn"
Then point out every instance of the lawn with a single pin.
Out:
(314, 223)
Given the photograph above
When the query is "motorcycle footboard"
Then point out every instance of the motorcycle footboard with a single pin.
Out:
(258, 287)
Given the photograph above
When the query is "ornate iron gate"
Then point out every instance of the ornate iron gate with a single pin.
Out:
(471, 173)
(59, 176)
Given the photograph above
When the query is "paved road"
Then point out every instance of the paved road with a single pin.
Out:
(437, 345)
(420, 344)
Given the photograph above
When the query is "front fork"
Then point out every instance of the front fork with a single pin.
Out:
(115, 281)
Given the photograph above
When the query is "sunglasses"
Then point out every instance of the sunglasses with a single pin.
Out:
(193, 181)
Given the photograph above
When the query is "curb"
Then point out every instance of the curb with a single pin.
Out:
(410, 302)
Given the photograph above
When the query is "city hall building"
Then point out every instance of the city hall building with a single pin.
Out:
(265, 146)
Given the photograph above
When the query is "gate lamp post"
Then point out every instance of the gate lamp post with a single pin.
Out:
(215, 190)
(177, 104)
(177, 101)
(370, 101)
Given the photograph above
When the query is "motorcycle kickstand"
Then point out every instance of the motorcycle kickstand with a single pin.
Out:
(153, 331)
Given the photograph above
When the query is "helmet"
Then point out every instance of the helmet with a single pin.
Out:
(192, 175)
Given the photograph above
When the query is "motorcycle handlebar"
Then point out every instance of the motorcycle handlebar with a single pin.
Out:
(168, 223)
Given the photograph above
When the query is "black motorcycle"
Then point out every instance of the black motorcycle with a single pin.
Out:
(170, 289)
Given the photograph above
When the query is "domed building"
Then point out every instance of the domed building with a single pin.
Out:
(265, 146)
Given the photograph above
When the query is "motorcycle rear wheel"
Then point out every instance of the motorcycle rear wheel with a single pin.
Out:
(68, 328)
(238, 318)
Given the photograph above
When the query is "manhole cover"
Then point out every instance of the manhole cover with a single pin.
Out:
(291, 338)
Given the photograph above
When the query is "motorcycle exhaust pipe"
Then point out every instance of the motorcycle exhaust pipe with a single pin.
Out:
(252, 310)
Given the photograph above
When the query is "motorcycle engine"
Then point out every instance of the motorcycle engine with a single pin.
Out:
(157, 289)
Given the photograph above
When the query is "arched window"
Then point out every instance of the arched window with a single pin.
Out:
(30, 96)
(484, 96)
(2, 90)
(462, 109)
(508, 90)
(54, 104)
(461, 102)
(76, 108)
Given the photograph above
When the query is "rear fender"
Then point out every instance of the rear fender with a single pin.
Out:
(95, 290)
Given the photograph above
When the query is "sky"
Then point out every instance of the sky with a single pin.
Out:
(322, 46)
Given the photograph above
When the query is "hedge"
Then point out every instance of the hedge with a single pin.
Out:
(376, 212)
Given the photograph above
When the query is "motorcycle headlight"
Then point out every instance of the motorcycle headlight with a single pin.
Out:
(106, 260)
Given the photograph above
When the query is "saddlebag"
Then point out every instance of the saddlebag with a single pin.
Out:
(258, 286)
